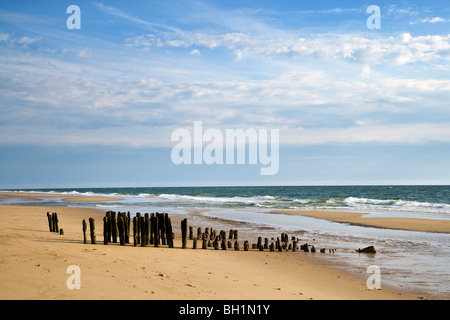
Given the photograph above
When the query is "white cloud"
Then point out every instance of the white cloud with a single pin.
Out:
(399, 50)
(22, 42)
(195, 52)
(433, 20)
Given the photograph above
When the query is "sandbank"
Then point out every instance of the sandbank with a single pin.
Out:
(363, 219)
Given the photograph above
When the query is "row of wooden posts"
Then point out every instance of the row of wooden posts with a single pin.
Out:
(156, 229)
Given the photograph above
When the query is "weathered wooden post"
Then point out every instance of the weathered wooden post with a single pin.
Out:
(231, 234)
(105, 230)
(109, 226)
(199, 233)
(50, 222)
(216, 244)
(236, 245)
(223, 245)
(138, 227)
(245, 245)
(127, 230)
(169, 234)
(279, 247)
(142, 231)
(204, 244)
(272, 247)
(155, 227)
(161, 228)
(184, 230)
(147, 225)
(55, 222)
(114, 226)
(194, 244)
(191, 233)
(235, 235)
(121, 227)
(92, 227)
(84, 231)
(259, 244)
(135, 231)
(266, 243)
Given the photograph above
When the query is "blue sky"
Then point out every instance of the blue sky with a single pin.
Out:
(97, 106)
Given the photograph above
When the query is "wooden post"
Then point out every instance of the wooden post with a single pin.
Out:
(114, 227)
(92, 227)
(142, 231)
(259, 244)
(55, 222)
(266, 243)
(84, 231)
(134, 232)
(155, 227)
(169, 233)
(105, 230)
(184, 230)
(127, 229)
(161, 228)
(224, 245)
(191, 233)
(138, 227)
(121, 228)
(236, 245)
(231, 234)
(147, 228)
(50, 222)
(245, 245)
(199, 233)
(204, 244)
(109, 226)
(194, 244)
(235, 234)
(61, 231)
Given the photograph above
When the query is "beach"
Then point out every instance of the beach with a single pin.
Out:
(34, 262)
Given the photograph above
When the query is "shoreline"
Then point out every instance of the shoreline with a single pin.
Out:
(65, 197)
(33, 263)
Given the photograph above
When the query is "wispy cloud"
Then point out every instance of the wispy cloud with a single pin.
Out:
(132, 19)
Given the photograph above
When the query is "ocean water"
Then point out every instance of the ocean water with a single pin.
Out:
(417, 261)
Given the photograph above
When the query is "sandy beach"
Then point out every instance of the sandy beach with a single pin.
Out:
(34, 261)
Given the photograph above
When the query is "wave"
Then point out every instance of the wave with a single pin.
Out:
(291, 200)
(396, 204)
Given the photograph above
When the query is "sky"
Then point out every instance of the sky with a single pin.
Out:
(97, 106)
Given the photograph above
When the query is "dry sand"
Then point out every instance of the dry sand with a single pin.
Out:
(411, 224)
(34, 261)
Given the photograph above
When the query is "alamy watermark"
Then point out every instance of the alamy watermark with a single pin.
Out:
(227, 148)
(374, 281)
(74, 280)
(374, 21)
(74, 20)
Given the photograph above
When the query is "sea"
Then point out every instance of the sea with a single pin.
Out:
(409, 260)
